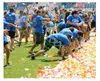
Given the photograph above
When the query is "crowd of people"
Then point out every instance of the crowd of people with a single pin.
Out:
(63, 29)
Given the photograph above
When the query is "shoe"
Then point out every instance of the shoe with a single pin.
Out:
(7, 65)
(33, 57)
(19, 44)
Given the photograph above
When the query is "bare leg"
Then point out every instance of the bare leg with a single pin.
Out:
(12, 43)
(33, 47)
(20, 39)
(7, 53)
(40, 52)
(21, 36)
(27, 35)
(42, 46)
(62, 51)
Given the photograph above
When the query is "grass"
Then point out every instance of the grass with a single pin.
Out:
(20, 59)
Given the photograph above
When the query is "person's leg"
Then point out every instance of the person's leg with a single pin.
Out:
(74, 46)
(36, 43)
(42, 41)
(54, 30)
(7, 53)
(62, 51)
(42, 46)
(40, 52)
(27, 35)
(16, 33)
(47, 46)
(21, 36)
(12, 39)
(12, 43)
(31, 50)
(34, 37)
(48, 31)
(84, 30)
(76, 43)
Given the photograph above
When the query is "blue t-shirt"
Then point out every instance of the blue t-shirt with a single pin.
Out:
(73, 19)
(60, 37)
(23, 21)
(61, 17)
(50, 15)
(34, 21)
(86, 19)
(5, 24)
(61, 25)
(5, 39)
(94, 18)
(66, 31)
(75, 32)
(39, 24)
(11, 18)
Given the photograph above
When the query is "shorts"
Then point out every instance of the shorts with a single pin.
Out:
(12, 34)
(5, 43)
(39, 38)
(93, 24)
(51, 42)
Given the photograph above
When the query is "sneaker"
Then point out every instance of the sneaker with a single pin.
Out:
(7, 65)
(33, 57)
(19, 44)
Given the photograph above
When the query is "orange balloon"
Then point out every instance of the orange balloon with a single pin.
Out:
(39, 67)
(19, 61)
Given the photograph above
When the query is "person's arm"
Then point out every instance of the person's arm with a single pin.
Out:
(69, 19)
(62, 51)
(46, 22)
(68, 49)
(9, 24)
(47, 19)
(71, 23)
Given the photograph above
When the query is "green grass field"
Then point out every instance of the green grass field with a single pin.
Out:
(20, 59)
